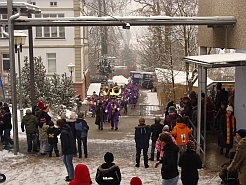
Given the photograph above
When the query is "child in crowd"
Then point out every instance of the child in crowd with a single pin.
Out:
(136, 181)
(52, 133)
(42, 128)
(81, 175)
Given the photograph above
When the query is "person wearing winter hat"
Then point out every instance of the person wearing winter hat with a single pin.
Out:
(30, 123)
(142, 136)
(227, 131)
(136, 181)
(190, 162)
(81, 175)
(52, 133)
(108, 172)
(239, 160)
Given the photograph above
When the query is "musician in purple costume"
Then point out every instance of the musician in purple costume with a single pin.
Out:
(125, 100)
(113, 110)
(133, 99)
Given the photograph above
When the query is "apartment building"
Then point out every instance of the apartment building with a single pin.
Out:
(58, 46)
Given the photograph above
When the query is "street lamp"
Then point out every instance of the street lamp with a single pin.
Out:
(71, 67)
(19, 40)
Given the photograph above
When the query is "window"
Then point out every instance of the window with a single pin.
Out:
(53, 3)
(50, 32)
(3, 16)
(6, 62)
(51, 58)
(33, 3)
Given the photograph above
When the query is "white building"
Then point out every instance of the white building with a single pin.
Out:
(57, 46)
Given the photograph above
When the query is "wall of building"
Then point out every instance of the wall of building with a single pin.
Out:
(223, 37)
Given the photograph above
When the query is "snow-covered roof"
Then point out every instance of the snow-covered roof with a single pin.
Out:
(121, 80)
(164, 75)
(218, 60)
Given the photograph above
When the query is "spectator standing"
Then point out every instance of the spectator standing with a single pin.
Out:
(52, 133)
(227, 129)
(171, 118)
(169, 169)
(99, 116)
(43, 138)
(142, 136)
(81, 175)
(30, 123)
(182, 133)
(81, 128)
(108, 173)
(239, 161)
(1, 124)
(79, 103)
(189, 162)
(155, 129)
(68, 148)
(44, 114)
(7, 127)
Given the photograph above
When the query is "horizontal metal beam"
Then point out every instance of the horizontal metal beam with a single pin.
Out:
(122, 21)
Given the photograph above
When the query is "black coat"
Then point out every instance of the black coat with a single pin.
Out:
(7, 121)
(189, 161)
(108, 174)
(223, 132)
(142, 136)
(45, 115)
(53, 132)
(67, 141)
(169, 168)
(156, 129)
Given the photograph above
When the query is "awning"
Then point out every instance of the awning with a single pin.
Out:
(218, 60)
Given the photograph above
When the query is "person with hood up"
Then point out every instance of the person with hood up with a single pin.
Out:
(171, 118)
(142, 136)
(189, 162)
(30, 123)
(68, 148)
(156, 129)
(81, 175)
(239, 161)
(108, 173)
(169, 169)
(182, 133)
(136, 181)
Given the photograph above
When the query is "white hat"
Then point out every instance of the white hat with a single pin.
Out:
(229, 108)
(165, 128)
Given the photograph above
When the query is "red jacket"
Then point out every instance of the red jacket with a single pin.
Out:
(81, 176)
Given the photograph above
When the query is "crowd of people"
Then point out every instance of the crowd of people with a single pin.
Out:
(106, 105)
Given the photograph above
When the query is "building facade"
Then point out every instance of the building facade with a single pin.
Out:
(57, 46)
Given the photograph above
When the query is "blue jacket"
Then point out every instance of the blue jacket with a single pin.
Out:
(142, 136)
(81, 124)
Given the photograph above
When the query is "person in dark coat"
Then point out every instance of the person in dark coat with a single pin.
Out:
(108, 173)
(52, 133)
(190, 161)
(155, 129)
(30, 123)
(227, 129)
(99, 116)
(44, 114)
(68, 148)
(171, 118)
(169, 169)
(142, 136)
(221, 95)
(7, 127)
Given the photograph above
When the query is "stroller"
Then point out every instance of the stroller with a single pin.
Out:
(228, 178)
(2, 178)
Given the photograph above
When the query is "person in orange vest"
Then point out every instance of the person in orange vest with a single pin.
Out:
(182, 133)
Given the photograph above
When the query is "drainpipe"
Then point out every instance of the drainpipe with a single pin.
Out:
(13, 79)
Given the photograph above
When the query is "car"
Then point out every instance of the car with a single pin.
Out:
(98, 79)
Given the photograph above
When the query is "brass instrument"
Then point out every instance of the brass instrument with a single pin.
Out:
(106, 90)
(116, 91)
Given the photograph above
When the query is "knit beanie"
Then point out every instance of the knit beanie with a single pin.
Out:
(108, 157)
(190, 145)
(51, 123)
(166, 128)
(241, 132)
(135, 181)
(229, 108)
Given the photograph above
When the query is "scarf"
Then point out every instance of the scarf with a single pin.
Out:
(228, 128)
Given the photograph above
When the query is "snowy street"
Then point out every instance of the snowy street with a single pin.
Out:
(35, 169)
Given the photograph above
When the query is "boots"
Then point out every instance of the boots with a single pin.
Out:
(158, 156)
(151, 157)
